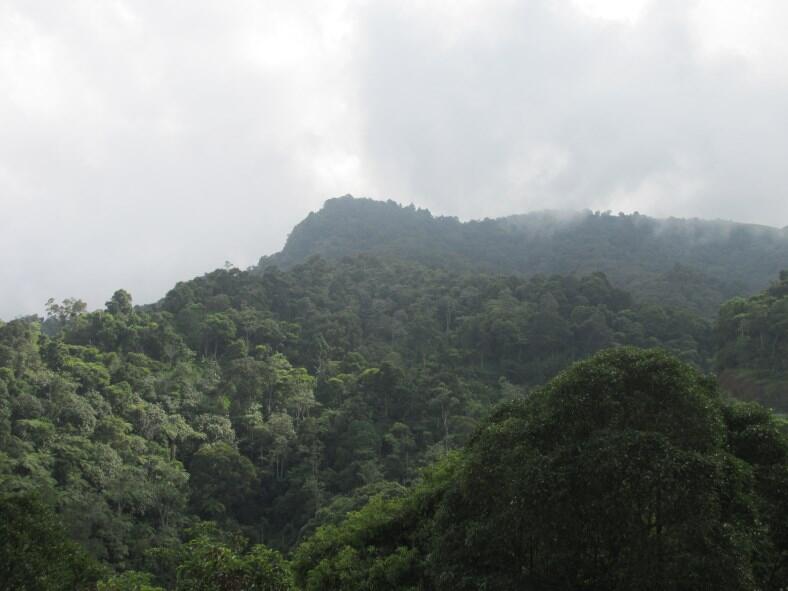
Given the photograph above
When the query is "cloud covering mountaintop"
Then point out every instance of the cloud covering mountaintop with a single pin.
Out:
(144, 142)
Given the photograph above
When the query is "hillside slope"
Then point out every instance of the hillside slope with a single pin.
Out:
(271, 404)
(752, 349)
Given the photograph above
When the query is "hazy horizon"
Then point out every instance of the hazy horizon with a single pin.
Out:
(569, 212)
(146, 143)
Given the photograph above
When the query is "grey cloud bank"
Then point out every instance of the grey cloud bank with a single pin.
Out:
(146, 142)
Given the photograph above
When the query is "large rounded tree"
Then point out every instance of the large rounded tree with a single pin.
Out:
(619, 474)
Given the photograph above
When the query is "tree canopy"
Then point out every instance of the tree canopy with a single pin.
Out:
(625, 471)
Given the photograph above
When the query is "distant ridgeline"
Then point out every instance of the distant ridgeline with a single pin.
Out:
(694, 264)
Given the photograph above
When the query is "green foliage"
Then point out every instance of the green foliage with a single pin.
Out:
(35, 552)
(128, 581)
(752, 346)
(120, 303)
(212, 566)
(603, 478)
(209, 563)
(222, 479)
(383, 545)
(625, 471)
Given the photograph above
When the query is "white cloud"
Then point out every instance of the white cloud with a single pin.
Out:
(626, 11)
(753, 30)
(145, 142)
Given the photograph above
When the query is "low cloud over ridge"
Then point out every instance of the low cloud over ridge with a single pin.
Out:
(144, 142)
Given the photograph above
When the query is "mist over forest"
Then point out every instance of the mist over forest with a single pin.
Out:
(694, 264)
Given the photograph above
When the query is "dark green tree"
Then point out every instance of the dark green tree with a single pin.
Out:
(35, 552)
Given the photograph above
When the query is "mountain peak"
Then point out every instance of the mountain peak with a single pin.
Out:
(637, 252)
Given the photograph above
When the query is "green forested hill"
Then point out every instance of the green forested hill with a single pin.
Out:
(377, 422)
(271, 403)
(694, 264)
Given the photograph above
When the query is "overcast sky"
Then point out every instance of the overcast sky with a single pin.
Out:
(147, 141)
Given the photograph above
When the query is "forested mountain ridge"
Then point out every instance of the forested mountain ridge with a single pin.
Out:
(695, 264)
(339, 423)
